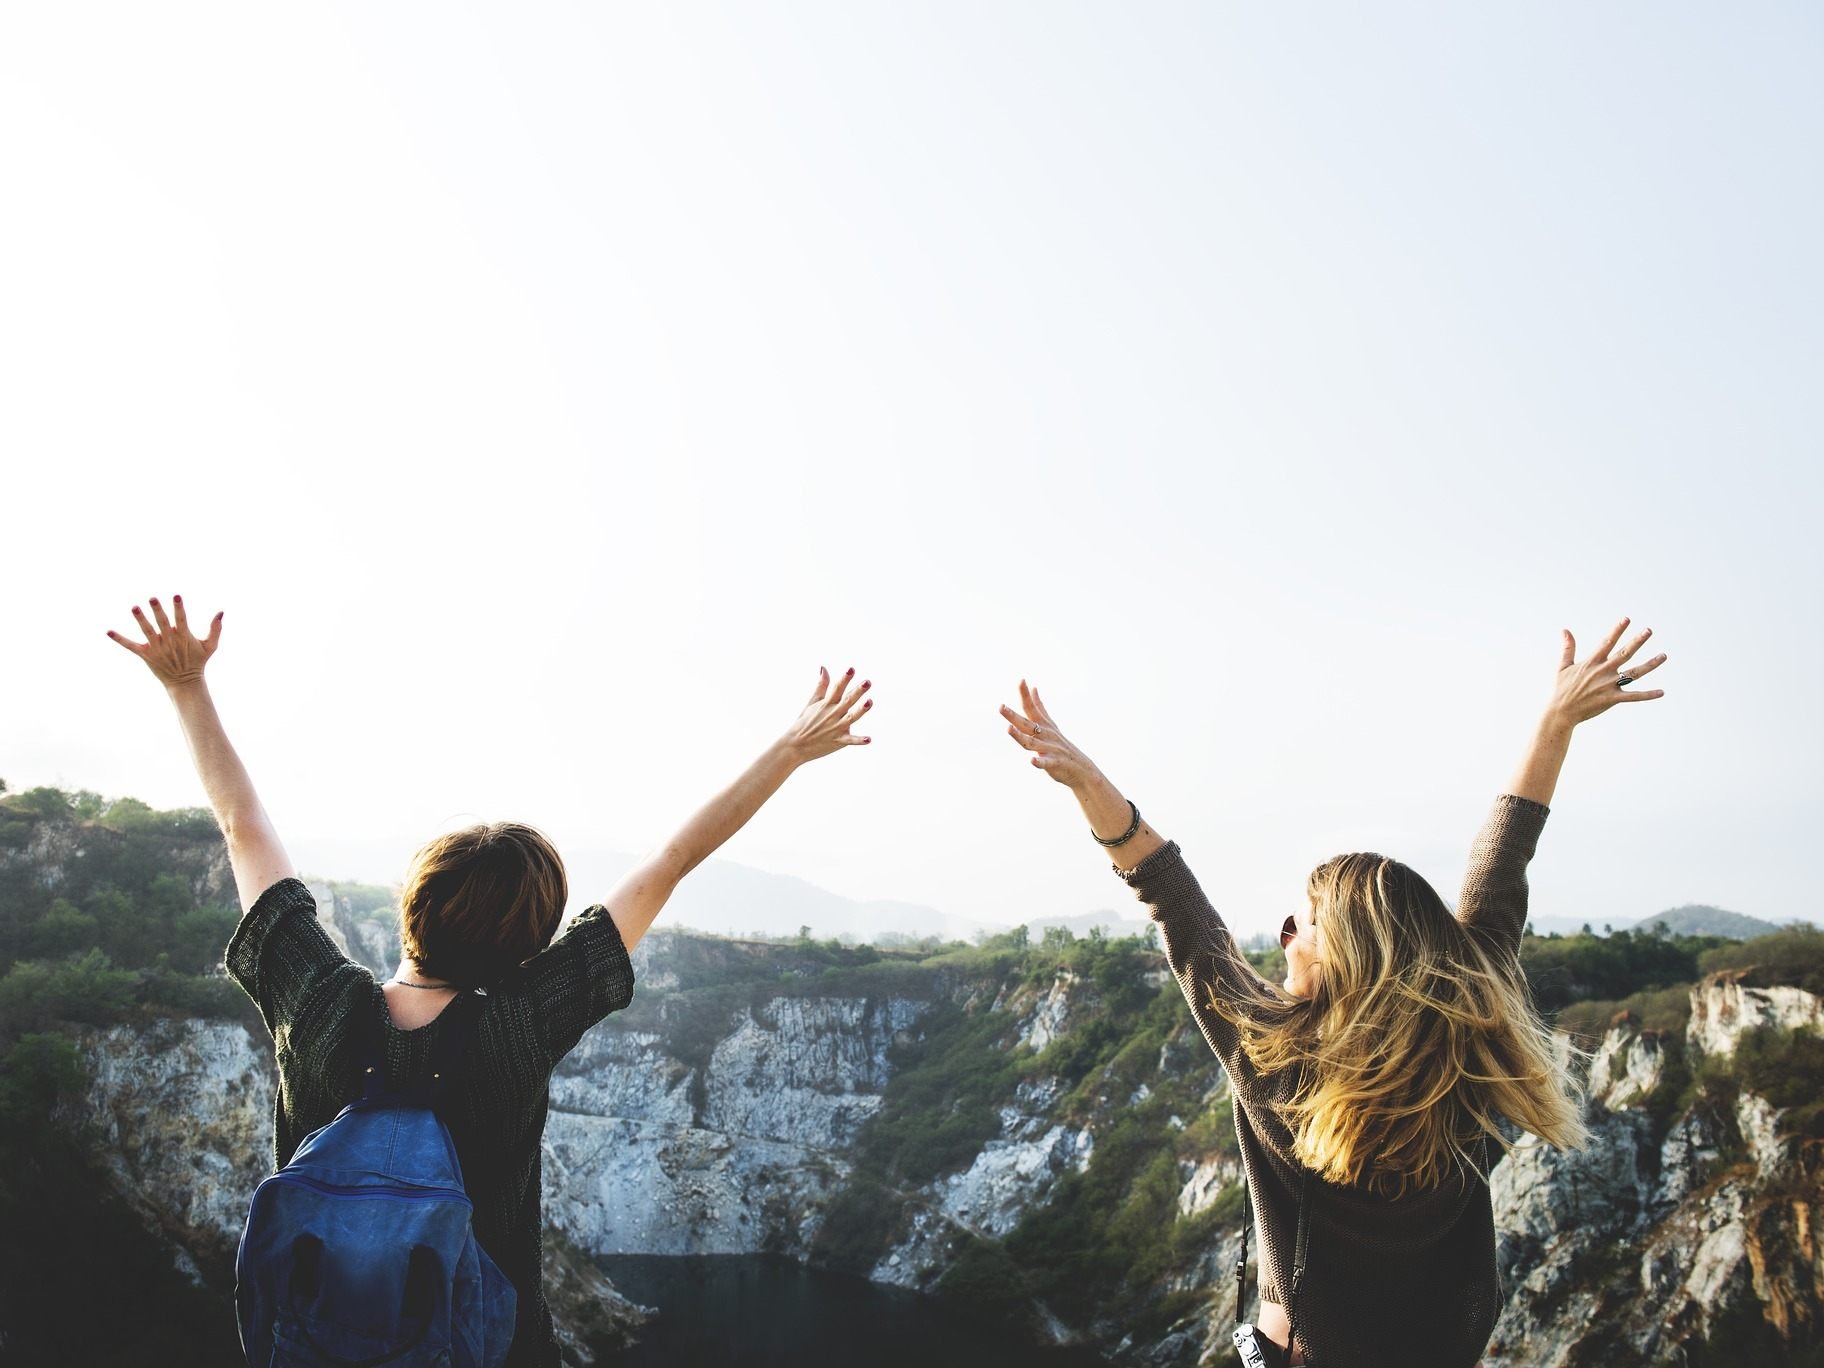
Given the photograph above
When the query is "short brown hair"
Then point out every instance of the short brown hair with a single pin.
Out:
(479, 901)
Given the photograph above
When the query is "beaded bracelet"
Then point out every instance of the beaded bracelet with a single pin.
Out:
(1125, 836)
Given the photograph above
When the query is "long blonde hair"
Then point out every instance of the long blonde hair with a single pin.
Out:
(1420, 1036)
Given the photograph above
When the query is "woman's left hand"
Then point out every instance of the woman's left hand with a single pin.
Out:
(823, 727)
(1588, 688)
(1051, 750)
(172, 654)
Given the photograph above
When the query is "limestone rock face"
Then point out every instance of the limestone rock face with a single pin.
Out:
(615, 1185)
(647, 1153)
(180, 1113)
(1050, 1017)
(366, 940)
(806, 1071)
(1647, 1248)
(1628, 1066)
(1725, 1005)
(1205, 1181)
(1694, 1148)
(586, 1310)
(729, 1128)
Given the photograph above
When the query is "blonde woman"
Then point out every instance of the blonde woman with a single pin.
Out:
(1370, 1085)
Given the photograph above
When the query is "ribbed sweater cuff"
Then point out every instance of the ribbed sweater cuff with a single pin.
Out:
(1162, 862)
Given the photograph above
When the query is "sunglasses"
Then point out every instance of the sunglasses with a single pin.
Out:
(1288, 933)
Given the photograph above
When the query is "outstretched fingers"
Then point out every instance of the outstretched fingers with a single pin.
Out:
(1022, 728)
(1638, 670)
(1029, 700)
(132, 646)
(1633, 646)
(1608, 642)
(145, 626)
(848, 701)
(855, 708)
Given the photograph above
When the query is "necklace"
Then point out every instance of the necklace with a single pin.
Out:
(428, 987)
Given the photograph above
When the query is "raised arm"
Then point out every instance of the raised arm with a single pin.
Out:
(1109, 814)
(1494, 889)
(823, 728)
(1202, 952)
(176, 659)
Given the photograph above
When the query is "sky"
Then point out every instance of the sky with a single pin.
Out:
(546, 392)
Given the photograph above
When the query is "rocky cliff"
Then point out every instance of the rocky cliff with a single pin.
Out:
(1684, 1232)
(741, 1103)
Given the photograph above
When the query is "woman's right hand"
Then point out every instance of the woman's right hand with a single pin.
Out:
(1591, 687)
(823, 727)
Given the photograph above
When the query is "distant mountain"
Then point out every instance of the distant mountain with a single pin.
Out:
(1111, 922)
(730, 899)
(1697, 919)
(1549, 925)
(720, 897)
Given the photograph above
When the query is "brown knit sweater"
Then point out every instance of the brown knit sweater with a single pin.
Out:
(317, 1002)
(1407, 1281)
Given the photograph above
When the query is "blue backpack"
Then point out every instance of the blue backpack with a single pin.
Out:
(360, 1251)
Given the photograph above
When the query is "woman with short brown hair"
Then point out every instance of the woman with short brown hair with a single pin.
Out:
(480, 909)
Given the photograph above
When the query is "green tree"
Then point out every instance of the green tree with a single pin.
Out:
(33, 1075)
(62, 929)
(200, 937)
(129, 814)
(41, 802)
(36, 994)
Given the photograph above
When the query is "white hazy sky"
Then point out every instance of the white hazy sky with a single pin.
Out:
(545, 391)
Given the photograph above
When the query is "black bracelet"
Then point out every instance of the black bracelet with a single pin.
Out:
(1125, 836)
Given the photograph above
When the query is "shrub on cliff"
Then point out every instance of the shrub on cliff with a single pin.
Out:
(1793, 955)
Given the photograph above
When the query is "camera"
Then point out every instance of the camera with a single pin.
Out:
(1256, 1350)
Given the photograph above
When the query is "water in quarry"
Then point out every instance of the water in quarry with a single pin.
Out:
(757, 1310)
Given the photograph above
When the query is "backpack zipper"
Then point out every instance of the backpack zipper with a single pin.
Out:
(411, 1194)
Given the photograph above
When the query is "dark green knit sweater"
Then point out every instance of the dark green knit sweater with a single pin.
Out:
(317, 1003)
(1389, 1281)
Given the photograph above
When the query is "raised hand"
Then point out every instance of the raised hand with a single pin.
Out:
(1589, 688)
(170, 651)
(823, 727)
(1035, 729)
(1113, 820)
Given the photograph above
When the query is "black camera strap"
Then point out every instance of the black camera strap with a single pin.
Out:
(1299, 1255)
(1298, 1260)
